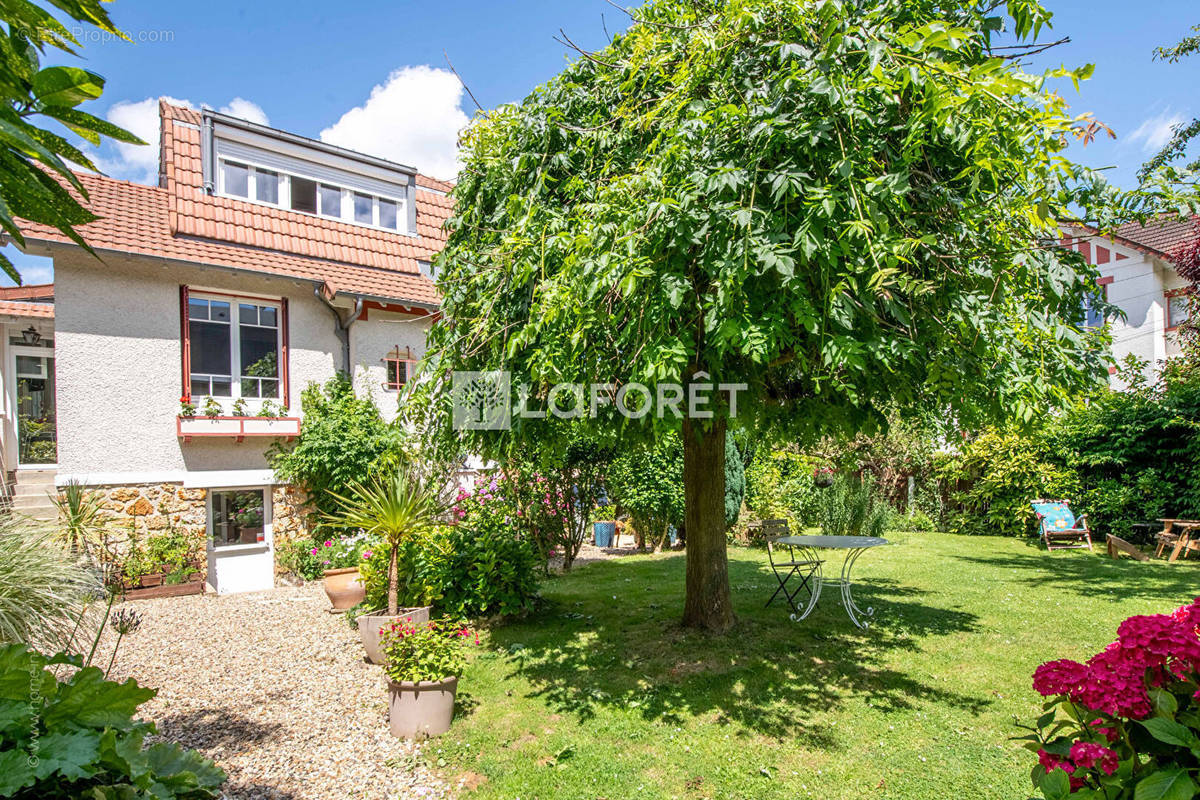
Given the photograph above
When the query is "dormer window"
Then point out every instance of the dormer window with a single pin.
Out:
(252, 163)
(309, 196)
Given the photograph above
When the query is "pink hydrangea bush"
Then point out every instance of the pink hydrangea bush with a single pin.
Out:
(1125, 724)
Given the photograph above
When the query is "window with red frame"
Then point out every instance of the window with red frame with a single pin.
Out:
(1179, 303)
(400, 368)
(234, 346)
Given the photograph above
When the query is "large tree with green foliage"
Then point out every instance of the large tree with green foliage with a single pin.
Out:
(836, 203)
(35, 163)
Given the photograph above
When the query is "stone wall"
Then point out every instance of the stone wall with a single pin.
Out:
(148, 509)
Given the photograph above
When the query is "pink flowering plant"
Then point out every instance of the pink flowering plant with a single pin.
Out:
(1125, 724)
(342, 552)
(425, 651)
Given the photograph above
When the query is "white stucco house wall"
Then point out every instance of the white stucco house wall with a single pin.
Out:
(261, 262)
(1139, 277)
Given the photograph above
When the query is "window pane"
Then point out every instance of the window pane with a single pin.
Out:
(259, 359)
(387, 214)
(304, 195)
(31, 367)
(218, 310)
(199, 387)
(267, 316)
(222, 387)
(363, 208)
(331, 201)
(197, 309)
(266, 184)
(238, 517)
(269, 387)
(209, 348)
(1177, 310)
(247, 314)
(237, 178)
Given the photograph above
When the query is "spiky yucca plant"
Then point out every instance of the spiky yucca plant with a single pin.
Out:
(79, 515)
(44, 586)
(393, 507)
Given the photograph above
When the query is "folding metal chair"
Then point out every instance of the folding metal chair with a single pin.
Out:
(773, 530)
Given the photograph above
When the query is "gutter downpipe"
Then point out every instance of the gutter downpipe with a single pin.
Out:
(342, 327)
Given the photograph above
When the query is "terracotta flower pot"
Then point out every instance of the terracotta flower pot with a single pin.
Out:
(369, 625)
(343, 588)
(421, 709)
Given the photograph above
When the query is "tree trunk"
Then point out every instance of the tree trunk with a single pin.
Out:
(393, 599)
(707, 604)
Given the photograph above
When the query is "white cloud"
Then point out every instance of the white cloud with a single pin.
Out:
(139, 163)
(1156, 131)
(413, 118)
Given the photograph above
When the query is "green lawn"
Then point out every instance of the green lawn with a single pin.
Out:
(602, 695)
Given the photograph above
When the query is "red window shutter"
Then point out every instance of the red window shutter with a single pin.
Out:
(286, 394)
(186, 339)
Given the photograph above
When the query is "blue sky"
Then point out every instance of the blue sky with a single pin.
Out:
(371, 75)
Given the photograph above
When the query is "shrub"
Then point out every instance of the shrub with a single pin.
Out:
(43, 585)
(851, 507)
(735, 481)
(477, 568)
(309, 558)
(429, 651)
(779, 485)
(647, 483)
(488, 570)
(1000, 472)
(76, 737)
(343, 440)
(1125, 724)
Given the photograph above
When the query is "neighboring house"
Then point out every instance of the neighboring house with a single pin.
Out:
(261, 262)
(1138, 276)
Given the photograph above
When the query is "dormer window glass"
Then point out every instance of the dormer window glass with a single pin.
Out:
(387, 214)
(266, 186)
(331, 200)
(346, 202)
(237, 178)
(364, 209)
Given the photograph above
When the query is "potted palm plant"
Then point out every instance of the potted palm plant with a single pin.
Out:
(423, 663)
(390, 508)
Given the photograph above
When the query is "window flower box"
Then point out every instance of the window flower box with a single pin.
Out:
(237, 428)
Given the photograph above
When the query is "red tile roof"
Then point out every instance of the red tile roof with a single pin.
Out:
(133, 219)
(18, 309)
(1162, 236)
(178, 220)
(30, 291)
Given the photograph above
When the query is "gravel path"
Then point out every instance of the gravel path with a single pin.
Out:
(275, 689)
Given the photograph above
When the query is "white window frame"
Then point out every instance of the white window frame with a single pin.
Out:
(285, 197)
(268, 520)
(235, 345)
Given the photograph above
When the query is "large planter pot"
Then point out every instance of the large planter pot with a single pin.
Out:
(369, 625)
(421, 709)
(603, 533)
(343, 588)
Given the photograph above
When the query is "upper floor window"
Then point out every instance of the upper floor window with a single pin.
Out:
(1093, 317)
(234, 346)
(295, 192)
(401, 367)
(1179, 304)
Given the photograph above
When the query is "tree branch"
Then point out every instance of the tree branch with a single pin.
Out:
(581, 51)
(464, 84)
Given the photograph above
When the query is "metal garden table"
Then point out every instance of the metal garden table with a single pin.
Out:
(854, 547)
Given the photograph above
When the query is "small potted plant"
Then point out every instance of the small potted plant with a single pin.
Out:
(187, 409)
(340, 559)
(423, 662)
(823, 477)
